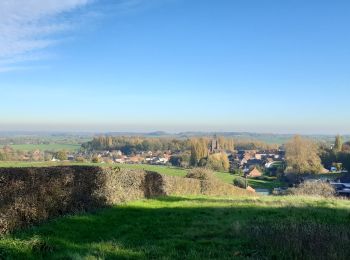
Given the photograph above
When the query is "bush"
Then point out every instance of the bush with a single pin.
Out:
(62, 155)
(80, 159)
(240, 182)
(200, 174)
(237, 172)
(203, 162)
(309, 188)
(95, 159)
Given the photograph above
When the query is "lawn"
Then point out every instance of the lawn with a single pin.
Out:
(193, 228)
(269, 183)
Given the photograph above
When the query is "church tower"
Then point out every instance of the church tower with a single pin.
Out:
(214, 147)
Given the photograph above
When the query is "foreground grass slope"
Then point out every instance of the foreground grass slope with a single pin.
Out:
(193, 228)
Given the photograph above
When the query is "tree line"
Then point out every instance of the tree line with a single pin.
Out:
(130, 145)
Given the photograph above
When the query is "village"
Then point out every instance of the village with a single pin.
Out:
(253, 163)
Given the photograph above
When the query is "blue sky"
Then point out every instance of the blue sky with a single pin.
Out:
(175, 65)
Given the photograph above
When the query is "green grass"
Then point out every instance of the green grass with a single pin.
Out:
(193, 228)
(265, 184)
(46, 147)
(270, 183)
(171, 171)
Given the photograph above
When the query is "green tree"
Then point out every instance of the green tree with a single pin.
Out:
(62, 155)
(344, 158)
(3, 156)
(328, 157)
(181, 160)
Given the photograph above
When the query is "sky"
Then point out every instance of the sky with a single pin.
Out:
(266, 66)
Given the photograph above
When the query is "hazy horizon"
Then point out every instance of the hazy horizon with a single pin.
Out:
(101, 130)
(175, 66)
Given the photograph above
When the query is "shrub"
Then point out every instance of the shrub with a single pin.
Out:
(200, 174)
(95, 159)
(237, 172)
(80, 159)
(62, 155)
(203, 162)
(240, 182)
(309, 188)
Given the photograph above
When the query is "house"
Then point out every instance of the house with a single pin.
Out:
(135, 159)
(254, 173)
(243, 162)
(158, 160)
(269, 162)
(253, 163)
(248, 155)
(120, 160)
(117, 153)
(261, 156)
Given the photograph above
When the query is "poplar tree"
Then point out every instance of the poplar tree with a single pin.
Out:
(199, 150)
(338, 144)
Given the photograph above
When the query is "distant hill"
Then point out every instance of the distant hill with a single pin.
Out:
(270, 138)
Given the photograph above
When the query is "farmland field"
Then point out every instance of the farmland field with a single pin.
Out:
(197, 227)
(46, 147)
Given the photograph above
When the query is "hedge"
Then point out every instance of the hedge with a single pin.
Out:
(32, 195)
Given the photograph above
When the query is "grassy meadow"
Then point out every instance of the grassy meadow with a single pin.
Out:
(193, 228)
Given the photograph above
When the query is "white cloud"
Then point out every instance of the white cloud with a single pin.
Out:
(27, 27)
